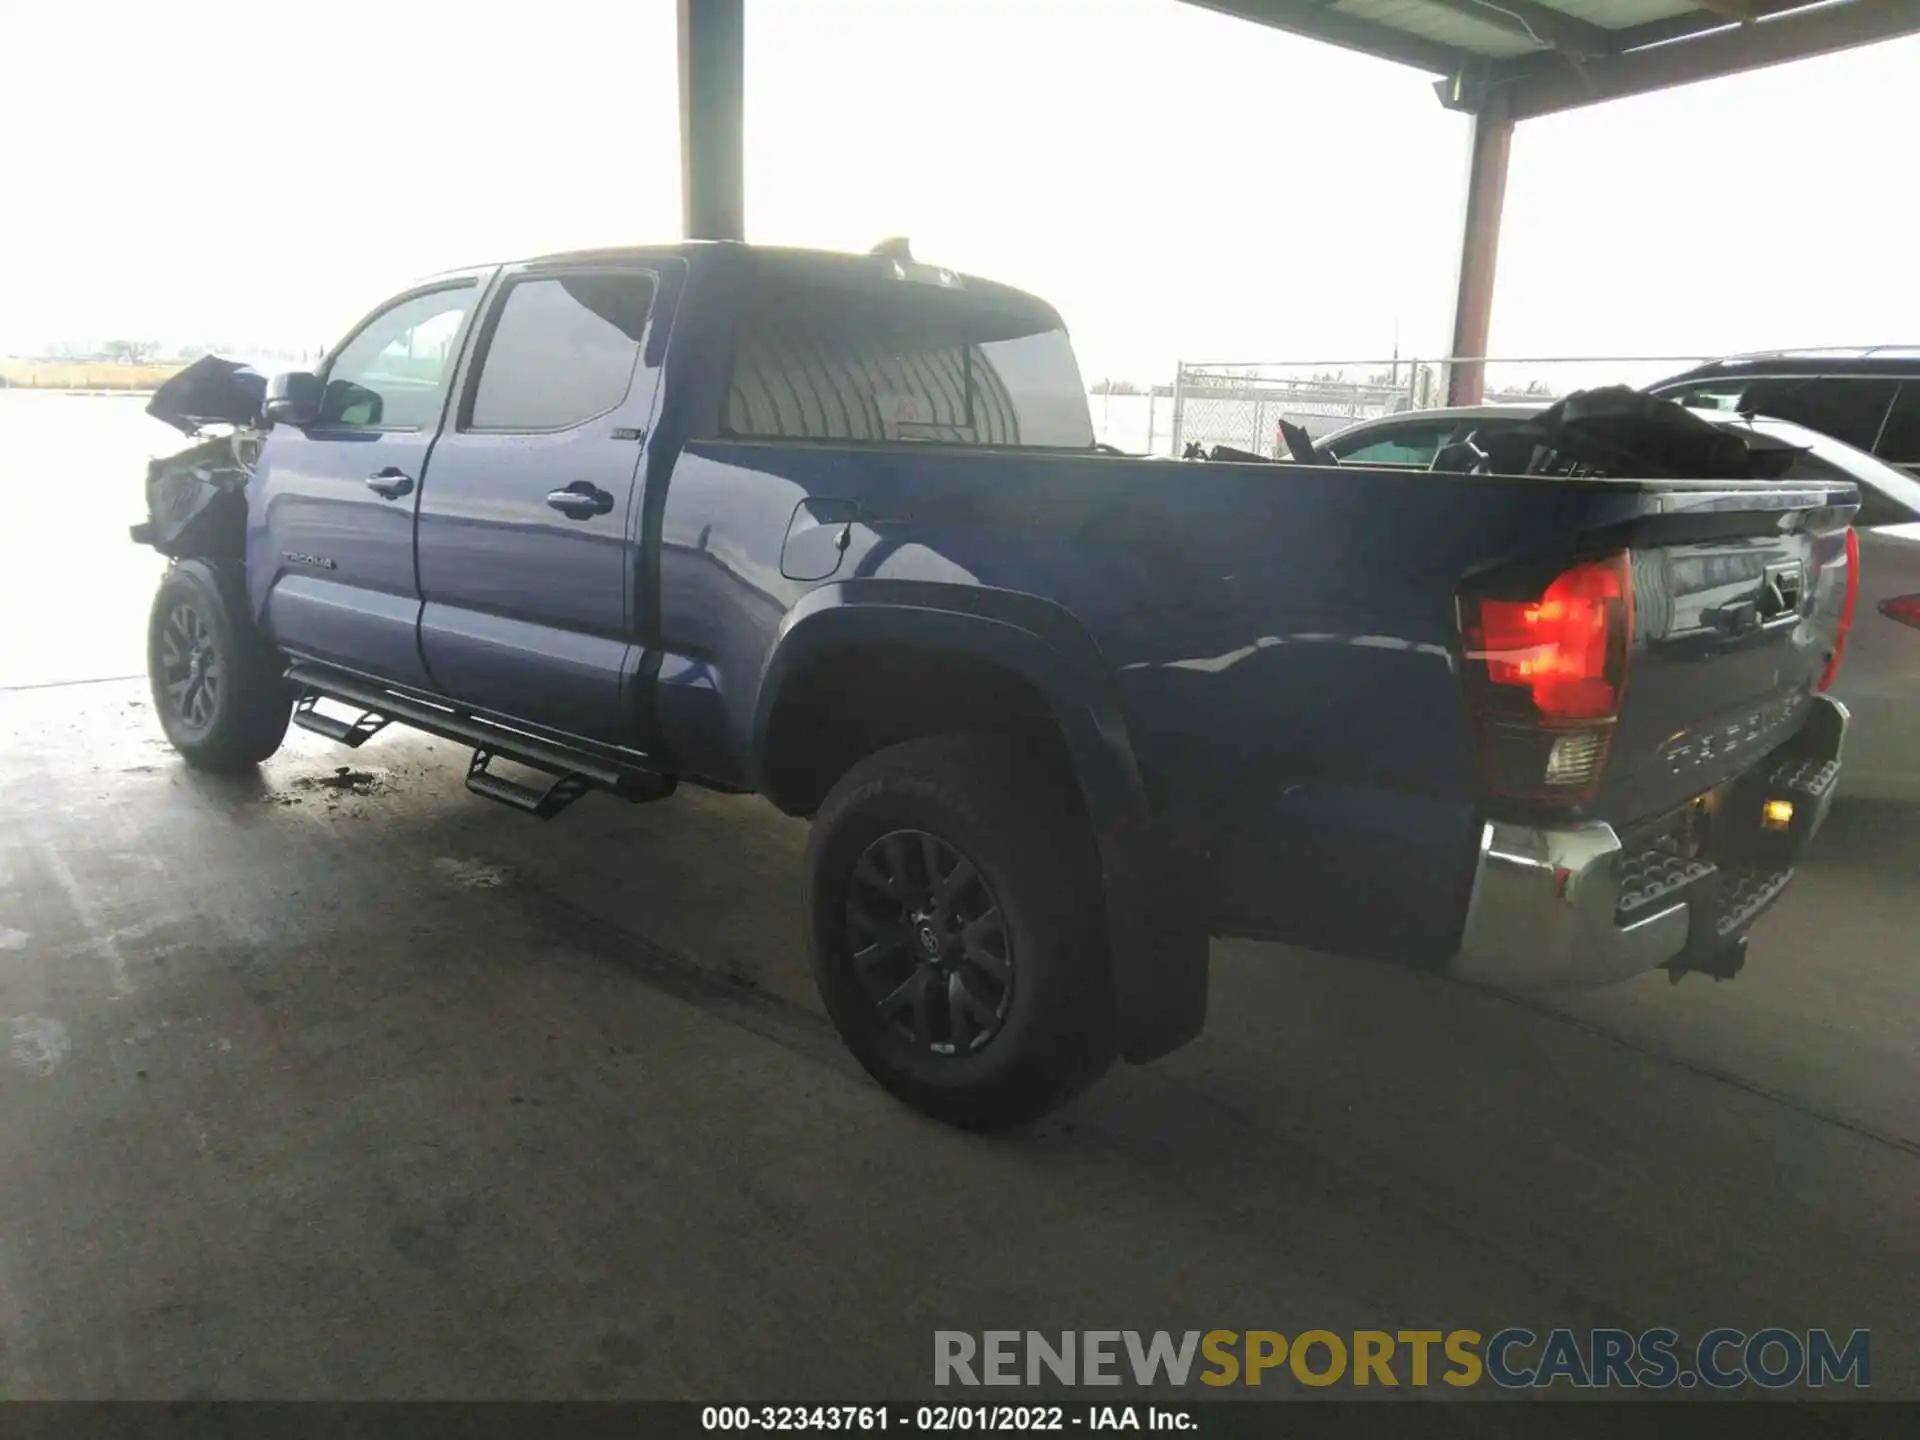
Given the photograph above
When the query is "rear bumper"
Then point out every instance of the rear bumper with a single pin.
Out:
(1574, 907)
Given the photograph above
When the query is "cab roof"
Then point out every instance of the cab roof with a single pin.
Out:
(888, 261)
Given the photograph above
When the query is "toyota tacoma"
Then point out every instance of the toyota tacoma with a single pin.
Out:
(835, 529)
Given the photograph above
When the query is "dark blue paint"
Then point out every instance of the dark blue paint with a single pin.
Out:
(817, 538)
(1256, 669)
(310, 503)
(529, 610)
(330, 562)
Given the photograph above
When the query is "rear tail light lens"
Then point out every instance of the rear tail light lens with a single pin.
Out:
(1558, 646)
(1546, 668)
(1904, 608)
(1832, 671)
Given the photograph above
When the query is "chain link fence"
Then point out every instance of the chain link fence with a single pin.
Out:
(1140, 424)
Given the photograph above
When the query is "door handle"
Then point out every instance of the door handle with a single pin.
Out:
(390, 484)
(580, 501)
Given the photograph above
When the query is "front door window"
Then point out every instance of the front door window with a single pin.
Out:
(393, 373)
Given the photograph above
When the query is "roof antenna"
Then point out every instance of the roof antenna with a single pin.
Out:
(894, 247)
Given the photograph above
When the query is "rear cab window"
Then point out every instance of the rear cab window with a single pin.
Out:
(903, 361)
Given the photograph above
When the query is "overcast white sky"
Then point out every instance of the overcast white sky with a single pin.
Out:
(1179, 184)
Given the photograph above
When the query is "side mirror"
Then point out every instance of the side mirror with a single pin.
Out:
(293, 399)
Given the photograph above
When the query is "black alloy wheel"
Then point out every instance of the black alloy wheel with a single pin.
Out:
(218, 684)
(191, 672)
(930, 945)
(957, 927)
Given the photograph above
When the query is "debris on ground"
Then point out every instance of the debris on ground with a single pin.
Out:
(473, 874)
(345, 778)
(343, 783)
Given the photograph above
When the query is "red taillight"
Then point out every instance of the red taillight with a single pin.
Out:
(1562, 646)
(1546, 667)
(1904, 608)
(1832, 671)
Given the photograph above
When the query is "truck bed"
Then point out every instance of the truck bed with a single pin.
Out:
(1283, 641)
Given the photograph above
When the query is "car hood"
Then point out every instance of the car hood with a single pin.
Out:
(210, 391)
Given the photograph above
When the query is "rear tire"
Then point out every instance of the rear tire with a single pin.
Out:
(958, 930)
(217, 683)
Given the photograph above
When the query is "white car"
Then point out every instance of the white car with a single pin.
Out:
(1879, 678)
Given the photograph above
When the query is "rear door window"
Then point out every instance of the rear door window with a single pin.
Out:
(904, 362)
(1900, 439)
(1848, 408)
(562, 351)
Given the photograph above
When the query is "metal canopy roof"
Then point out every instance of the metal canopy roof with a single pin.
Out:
(1517, 58)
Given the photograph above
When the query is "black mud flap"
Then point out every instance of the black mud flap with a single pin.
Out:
(1157, 945)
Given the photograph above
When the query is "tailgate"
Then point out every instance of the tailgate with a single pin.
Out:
(1737, 605)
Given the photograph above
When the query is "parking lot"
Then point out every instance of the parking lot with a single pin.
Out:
(343, 1083)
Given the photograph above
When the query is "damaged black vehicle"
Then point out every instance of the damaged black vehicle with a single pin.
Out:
(196, 499)
(217, 686)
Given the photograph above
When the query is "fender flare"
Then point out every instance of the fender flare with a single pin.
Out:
(1034, 638)
(1158, 949)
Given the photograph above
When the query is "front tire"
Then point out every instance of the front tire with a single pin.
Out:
(217, 684)
(958, 932)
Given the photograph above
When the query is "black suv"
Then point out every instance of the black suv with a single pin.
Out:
(1868, 398)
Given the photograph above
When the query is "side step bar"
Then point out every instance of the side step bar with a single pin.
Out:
(542, 804)
(350, 733)
(573, 771)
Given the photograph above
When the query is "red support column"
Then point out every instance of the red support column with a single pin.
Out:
(712, 91)
(1479, 254)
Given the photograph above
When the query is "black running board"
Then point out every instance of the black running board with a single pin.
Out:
(572, 772)
(543, 802)
(350, 733)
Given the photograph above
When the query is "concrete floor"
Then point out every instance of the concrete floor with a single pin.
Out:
(380, 1090)
(335, 1086)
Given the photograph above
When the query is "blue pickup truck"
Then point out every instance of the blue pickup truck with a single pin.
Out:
(835, 529)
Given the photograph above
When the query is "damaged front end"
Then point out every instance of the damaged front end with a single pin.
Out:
(196, 499)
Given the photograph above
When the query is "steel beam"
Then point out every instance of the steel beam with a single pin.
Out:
(1794, 36)
(1698, 22)
(1479, 255)
(1550, 28)
(712, 93)
(1318, 20)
